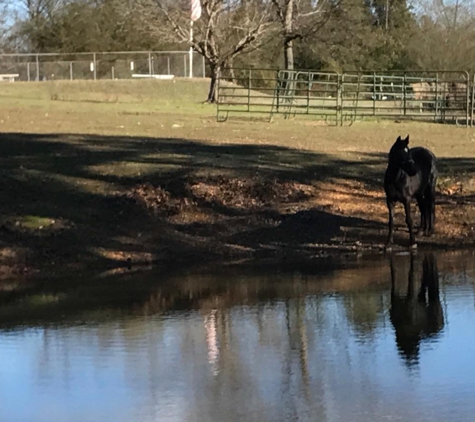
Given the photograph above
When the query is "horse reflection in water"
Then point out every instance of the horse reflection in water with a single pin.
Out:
(416, 312)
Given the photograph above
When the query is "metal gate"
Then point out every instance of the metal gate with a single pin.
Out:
(287, 92)
(430, 96)
(441, 96)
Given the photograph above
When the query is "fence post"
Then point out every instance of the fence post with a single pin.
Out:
(249, 90)
(204, 66)
(28, 71)
(95, 65)
(112, 72)
(168, 64)
(71, 71)
(374, 93)
(184, 66)
(150, 64)
(308, 93)
(472, 90)
(339, 101)
(467, 102)
(37, 68)
(436, 97)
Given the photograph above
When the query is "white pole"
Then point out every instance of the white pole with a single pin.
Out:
(191, 49)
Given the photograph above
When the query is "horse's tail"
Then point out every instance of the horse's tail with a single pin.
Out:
(434, 174)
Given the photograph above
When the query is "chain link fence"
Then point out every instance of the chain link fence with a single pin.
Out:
(92, 66)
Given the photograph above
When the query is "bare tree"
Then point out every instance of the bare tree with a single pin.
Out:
(451, 15)
(32, 17)
(6, 18)
(226, 28)
(298, 19)
(442, 26)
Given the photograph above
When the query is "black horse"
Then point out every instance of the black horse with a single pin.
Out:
(411, 173)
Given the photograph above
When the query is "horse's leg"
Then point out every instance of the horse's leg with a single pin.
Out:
(407, 210)
(423, 210)
(390, 222)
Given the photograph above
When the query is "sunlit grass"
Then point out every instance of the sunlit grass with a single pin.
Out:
(33, 222)
(126, 96)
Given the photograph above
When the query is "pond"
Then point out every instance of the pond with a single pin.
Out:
(357, 339)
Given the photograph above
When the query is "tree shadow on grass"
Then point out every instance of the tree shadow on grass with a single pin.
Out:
(63, 198)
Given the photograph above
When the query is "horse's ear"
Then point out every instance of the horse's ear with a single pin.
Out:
(398, 138)
(406, 141)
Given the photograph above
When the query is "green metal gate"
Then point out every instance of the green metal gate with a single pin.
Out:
(270, 92)
(429, 95)
(441, 96)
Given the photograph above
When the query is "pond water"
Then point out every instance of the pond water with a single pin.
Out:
(367, 339)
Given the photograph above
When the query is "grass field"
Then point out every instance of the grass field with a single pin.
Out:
(110, 172)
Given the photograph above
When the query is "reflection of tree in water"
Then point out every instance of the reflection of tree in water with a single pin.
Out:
(415, 316)
(212, 341)
(364, 310)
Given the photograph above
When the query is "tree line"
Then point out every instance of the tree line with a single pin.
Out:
(309, 34)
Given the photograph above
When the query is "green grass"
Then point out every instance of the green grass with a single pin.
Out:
(175, 109)
(129, 95)
(33, 222)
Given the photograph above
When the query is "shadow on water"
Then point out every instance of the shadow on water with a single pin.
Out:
(118, 294)
(416, 311)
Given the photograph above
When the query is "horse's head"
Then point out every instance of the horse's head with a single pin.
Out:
(400, 156)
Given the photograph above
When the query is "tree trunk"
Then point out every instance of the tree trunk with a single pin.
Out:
(288, 44)
(289, 54)
(230, 65)
(289, 83)
(215, 73)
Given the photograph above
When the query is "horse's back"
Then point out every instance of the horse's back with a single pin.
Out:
(425, 159)
(422, 155)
